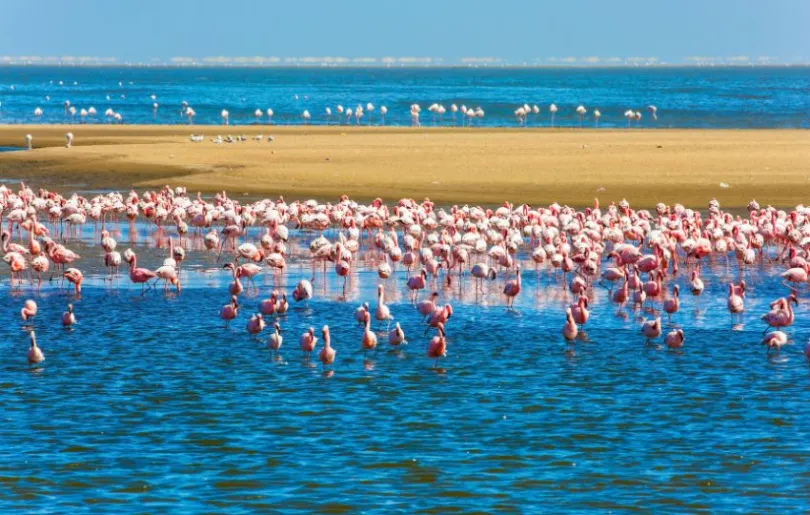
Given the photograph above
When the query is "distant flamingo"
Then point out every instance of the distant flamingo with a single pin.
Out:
(512, 289)
(674, 339)
(369, 341)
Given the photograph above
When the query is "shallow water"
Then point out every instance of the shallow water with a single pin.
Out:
(150, 400)
(772, 97)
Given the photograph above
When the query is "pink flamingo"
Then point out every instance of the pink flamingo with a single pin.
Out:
(440, 316)
(308, 342)
(674, 339)
(428, 306)
(781, 314)
(369, 341)
(569, 329)
(29, 310)
(696, 284)
(327, 354)
(382, 312)
(75, 277)
(256, 324)
(68, 318)
(735, 302)
(275, 340)
(302, 291)
(417, 283)
(229, 311)
(673, 304)
(283, 305)
(35, 354)
(396, 336)
(511, 289)
(139, 275)
(235, 288)
(775, 340)
(437, 348)
(268, 306)
(579, 310)
(651, 329)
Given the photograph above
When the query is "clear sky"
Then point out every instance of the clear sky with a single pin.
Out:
(140, 30)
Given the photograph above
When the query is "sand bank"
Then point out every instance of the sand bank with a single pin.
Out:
(538, 166)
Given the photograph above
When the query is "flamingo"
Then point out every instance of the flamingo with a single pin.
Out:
(29, 310)
(569, 329)
(35, 354)
(327, 354)
(416, 283)
(369, 341)
(302, 291)
(256, 324)
(139, 275)
(512, 289)
(275, 340)
(437, 348)
(674, 339)
(735, 302)
(775, 340)
(229, 311)
(68, 318)
(382, 312)
(75, 277)
(397, 336)
(308, 341)
(651, 329)
(672, 304)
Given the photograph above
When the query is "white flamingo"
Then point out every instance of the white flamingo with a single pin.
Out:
(653, 111)
(37, 112)
(306, 116)
(258, 114)
(383, 112)
(596, 116)
(553, 110)
(68, 139)
(190, 113)
(269, 115)
(224, 114)
(581, 112)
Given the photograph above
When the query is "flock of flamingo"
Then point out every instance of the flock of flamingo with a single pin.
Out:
(637, 255)
(348, 115)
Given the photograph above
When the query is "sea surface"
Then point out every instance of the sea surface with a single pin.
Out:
(704, 97)
(150, 404)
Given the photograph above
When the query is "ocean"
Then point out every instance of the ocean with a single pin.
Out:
(700, 97)
(151, 401)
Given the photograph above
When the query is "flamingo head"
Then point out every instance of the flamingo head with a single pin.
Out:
(449, 310)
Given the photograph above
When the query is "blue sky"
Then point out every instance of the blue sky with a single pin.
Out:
(511, 29)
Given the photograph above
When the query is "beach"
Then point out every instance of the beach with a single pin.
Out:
(448, 165)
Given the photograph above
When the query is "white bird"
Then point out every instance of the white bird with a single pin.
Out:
(306, 116)
(258, 114)
(83, 114)
(383, 112)
(269, 115)
(629, 114)
(596, 116)
(653, 111)
(68, 139)
(118, 117)
(328, 115)
(91, 111)
(553, 110)
(191, 113)
(224, 115)
(155, 106)
(37, 112)
(28, 140)
(581, 112)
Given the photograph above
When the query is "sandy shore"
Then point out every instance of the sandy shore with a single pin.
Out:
(448, 165)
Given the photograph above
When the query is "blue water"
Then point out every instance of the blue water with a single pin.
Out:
(685, 97)
(150, 401)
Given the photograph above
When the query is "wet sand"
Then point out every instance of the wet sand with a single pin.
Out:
(449, 165)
